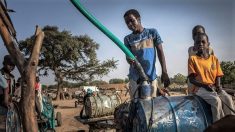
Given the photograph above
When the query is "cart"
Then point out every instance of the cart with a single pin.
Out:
(99, 123)
(48, 119)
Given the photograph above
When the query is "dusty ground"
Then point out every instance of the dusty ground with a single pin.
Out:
(69, 113)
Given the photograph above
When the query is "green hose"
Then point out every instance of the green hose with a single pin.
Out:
(102, 28)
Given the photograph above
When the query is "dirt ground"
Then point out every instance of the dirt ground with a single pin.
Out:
(69, 114)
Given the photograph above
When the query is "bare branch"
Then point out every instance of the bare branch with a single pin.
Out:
(11, 47)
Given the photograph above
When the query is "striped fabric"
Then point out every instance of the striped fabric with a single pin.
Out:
(143, 47)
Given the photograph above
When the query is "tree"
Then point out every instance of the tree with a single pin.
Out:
(27, 68)
(126, 80)
(68, 57)
(116, 81)
(98, 82)
(179, 79)
(228, 69)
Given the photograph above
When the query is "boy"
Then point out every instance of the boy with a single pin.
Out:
(8, 67)
(142, 43)
(38, 96)
(17, 93)
(205, 72)
(193, 51)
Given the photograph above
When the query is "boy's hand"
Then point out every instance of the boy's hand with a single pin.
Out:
(209, 88)
(162, 93)
(218, 89)
(165, 79)
(129, 60)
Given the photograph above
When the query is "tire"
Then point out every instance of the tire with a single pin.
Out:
(59, 119)
(76, 104)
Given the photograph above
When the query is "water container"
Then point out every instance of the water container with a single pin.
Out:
(170, 114)
(101, 105)
(145, 90)
(121, 116)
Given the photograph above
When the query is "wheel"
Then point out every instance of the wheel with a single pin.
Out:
(13, 121)
(59, 118)
(76, 104)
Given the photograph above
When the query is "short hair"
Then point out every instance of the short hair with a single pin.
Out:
(8, 60)
(133, 12)
(203, 34)
(37, 79)
(196, 28)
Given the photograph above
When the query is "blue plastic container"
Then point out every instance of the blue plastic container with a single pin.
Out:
(170, 114)
(145, 90)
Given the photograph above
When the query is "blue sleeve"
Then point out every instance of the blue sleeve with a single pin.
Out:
(126, 43)
(156, 37)
(3, 82)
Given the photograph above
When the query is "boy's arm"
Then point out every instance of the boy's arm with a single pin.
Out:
(219, 74)
(6, 97)
(161, 57)
(218, 85)
(3, 82)
(192, 79)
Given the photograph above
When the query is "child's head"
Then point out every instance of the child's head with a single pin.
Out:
(8, 63)
(197, 29)
(37, 79)
(132, 19)
(18, 82)
(201, 42)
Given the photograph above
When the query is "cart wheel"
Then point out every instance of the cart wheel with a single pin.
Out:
(59, 118)
(76, 104)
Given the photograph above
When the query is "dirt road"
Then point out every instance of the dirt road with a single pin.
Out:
(69, 113)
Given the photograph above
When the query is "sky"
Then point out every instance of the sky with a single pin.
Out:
(174, 20)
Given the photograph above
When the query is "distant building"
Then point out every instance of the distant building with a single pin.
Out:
(93, 88)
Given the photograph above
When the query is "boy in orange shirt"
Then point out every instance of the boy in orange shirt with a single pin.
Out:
(193, 51)
(205, 72)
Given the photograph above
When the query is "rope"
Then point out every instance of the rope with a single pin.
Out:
(151, 117)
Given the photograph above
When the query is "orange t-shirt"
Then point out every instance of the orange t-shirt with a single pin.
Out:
(206, 70)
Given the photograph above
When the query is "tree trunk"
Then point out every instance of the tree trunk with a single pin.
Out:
(59, 78)
(27, 71)
(60, 95)
(28, 102)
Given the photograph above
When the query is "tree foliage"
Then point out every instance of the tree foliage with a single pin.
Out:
(98, 82)
(179, 79)
(228, 69)
(116, 81)
(72, 56)
(68, 57)
(126, 80)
